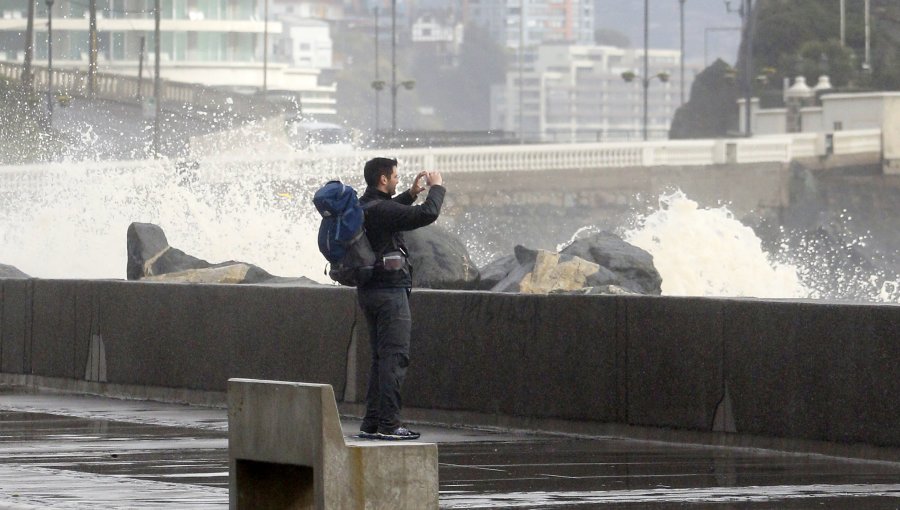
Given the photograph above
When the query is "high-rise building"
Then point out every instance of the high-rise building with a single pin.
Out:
(211, 42)
(578, 94)
(546, 21)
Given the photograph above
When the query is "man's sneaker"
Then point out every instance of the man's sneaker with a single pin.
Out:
(400, 433)
(368, 431)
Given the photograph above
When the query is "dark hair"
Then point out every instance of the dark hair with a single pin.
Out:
(377, 167)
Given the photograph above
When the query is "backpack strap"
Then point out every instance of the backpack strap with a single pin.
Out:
(393, 244)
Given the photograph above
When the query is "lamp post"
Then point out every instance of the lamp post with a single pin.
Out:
(156, 79)
(265, 86)
(630, 76)
(408, 84)
(393, 66)
(521, 58)
(843, 6)
(378, 84)
(27, 72)
(746, 13)
(50, 59)
(646, 63)
(867, 65)
(681, 15)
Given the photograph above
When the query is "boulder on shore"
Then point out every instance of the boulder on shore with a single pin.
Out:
(11, 272)
(151, 258)
(630, 267)
(439, 259)
(601, 263)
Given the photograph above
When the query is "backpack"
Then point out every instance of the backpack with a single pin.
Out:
(342, 234)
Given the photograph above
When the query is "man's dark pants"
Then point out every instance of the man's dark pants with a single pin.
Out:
(387, 315)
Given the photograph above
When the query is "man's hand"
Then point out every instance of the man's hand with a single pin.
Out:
(434, 178)
(416, 187)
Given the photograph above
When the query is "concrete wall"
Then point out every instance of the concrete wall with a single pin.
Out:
(178, 336)
(792, 369)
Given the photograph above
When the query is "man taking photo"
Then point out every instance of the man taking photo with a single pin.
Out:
(384, 299)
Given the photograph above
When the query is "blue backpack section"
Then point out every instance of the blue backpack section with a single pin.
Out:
(342, 219)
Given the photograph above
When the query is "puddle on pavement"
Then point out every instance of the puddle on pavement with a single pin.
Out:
(67, 462)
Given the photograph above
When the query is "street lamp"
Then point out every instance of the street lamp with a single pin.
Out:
(408, 84)
(746, 13)
(681, 15)
(630, 76)
(378, 84)
(265, 86)
(50, 59)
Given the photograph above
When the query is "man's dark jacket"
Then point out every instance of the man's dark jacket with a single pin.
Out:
(385, 223)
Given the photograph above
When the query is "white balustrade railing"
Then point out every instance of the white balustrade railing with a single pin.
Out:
(760, 149)
(588, 156)
(856, 142)
(807, 145)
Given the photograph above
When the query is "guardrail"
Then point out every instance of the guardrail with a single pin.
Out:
(513, 158)
(128, 89)
(549, 157)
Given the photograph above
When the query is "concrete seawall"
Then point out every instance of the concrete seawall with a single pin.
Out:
(779, 369)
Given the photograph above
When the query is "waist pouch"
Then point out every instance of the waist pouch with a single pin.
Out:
(393, 261)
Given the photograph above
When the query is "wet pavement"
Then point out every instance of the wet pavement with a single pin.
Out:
(65, 451)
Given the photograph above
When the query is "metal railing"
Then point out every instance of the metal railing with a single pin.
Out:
(121, 88)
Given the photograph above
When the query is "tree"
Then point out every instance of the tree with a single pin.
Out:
(711, 111)
(801, 37)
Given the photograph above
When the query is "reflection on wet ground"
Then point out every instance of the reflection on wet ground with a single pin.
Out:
(618, 473)
(150, 455)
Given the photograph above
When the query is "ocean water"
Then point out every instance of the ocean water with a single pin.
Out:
(69, 220)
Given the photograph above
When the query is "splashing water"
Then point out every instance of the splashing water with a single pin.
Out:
(706, 252)
(70, 220)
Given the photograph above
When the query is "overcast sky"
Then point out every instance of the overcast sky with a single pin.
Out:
(628, 16)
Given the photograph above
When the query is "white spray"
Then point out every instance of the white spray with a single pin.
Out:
(706, 252)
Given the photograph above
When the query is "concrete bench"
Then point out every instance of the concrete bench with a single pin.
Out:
(286, 450)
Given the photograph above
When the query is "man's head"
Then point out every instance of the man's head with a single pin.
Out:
(381, 173)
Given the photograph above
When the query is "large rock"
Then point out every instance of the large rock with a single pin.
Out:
(11, 272)
(629, 267)
(150, 257)
(149, 253)
(549, 274)
(601, 263)
(496, 271)
(439, 259)
(523, 260)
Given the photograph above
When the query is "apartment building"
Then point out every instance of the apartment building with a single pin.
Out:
(578, 94)
(546, 21)
(212, 42)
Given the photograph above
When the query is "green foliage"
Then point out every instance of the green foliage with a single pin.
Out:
(817, 58)
(802, 37)
(711, 111)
